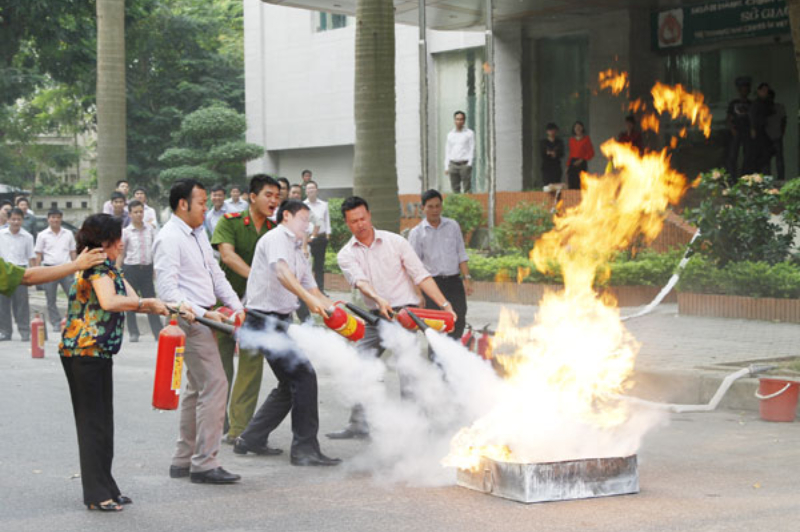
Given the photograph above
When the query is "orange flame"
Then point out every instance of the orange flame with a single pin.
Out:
(677, 101)
(650, 122)
(561, 371)
(611, 79)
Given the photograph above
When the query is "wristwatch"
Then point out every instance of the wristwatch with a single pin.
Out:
(445, 304)
(468, 276)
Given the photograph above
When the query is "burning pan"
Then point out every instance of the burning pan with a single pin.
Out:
(553, 481)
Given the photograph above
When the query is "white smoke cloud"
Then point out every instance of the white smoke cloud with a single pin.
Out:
(411, 435)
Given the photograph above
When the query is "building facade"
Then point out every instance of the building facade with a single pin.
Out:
(299, 66)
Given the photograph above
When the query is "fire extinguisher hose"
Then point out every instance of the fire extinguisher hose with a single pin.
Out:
(211, 324)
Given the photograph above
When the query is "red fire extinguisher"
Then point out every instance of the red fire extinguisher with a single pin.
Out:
(344, 323)
(37, 336)
(485, 344)
(437, 319)
(169, 366)
(468, 338)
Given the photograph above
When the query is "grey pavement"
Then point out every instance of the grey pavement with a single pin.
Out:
(724, 471)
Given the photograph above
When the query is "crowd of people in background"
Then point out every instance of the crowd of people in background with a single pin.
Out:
(755, 127)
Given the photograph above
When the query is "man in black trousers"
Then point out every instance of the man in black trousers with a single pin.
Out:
(136, 261)
(440, 245)
(280, 276)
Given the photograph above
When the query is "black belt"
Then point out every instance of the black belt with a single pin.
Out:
(459, 162)
(444, 277)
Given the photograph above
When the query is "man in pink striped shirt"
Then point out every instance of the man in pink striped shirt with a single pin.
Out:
(387, 271)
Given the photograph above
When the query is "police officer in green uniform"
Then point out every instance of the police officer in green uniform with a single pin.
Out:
(11, 276)
(235, 237)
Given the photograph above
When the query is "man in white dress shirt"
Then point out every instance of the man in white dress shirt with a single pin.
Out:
(235, 203)
(384, 267)
(150, 217)
(459, 153)
(55, 245)
(16, 247)
(218, 209)
(281, 276)
(318, 236)
(186, 271)
(136, 262)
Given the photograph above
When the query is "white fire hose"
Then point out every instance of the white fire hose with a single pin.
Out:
(670, 284)
(727, 382)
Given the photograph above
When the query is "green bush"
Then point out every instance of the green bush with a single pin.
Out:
(465, 210)
(735, 221)
(522, 226)
(790, 198)
(751, 279)
(648, 268)
(331, 264)
(340, 234)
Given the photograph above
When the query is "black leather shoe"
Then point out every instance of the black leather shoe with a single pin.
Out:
(178, 472)
(240, 446)
(123, 499)
(314, 459)
(215, 476)
(349, 433)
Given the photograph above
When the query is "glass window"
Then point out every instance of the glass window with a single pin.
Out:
(461, 87)
(331, 21)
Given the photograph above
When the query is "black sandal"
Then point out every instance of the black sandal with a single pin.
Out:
(123, 499)
(108, 506)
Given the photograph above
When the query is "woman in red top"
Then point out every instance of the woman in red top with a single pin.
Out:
(581, 152)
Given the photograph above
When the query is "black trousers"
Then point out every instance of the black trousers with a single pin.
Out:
(141, 279)
(574, 175)
(317, 248)
(296, 393)
(452, 288)
(92, 392)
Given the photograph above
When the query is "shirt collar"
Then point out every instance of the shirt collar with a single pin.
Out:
(286, 231)
(183, 226)
(375, 240)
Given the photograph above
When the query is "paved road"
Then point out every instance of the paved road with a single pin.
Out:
(726, 471)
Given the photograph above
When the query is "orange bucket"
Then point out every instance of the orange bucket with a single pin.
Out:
(778, 399)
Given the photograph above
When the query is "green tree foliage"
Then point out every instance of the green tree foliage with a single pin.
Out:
(736, 221)
(182, 55)
(212, 147)
(522, 226)
(465, 210)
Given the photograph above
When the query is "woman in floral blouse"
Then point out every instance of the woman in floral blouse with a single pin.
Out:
(97, 302)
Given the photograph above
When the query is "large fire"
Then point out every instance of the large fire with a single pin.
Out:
(562, 371)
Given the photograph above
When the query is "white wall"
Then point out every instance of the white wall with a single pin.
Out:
(299, 96)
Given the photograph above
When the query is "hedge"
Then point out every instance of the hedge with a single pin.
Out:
(751, 279)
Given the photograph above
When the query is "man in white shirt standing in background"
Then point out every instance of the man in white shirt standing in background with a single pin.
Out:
(318, 238)
(459, 153)
(150, 217)
(136, 262)
(16, 247)
(236, 203)
(55, 246)
(218, 209)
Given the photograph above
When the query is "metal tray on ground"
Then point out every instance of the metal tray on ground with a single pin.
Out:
(553, 481)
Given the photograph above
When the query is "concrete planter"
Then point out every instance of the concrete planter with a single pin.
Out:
(748, 308)
(529, 293)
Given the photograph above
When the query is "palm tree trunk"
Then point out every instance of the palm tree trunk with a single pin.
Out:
(375, 161)
(111, 121)
(794, 21)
